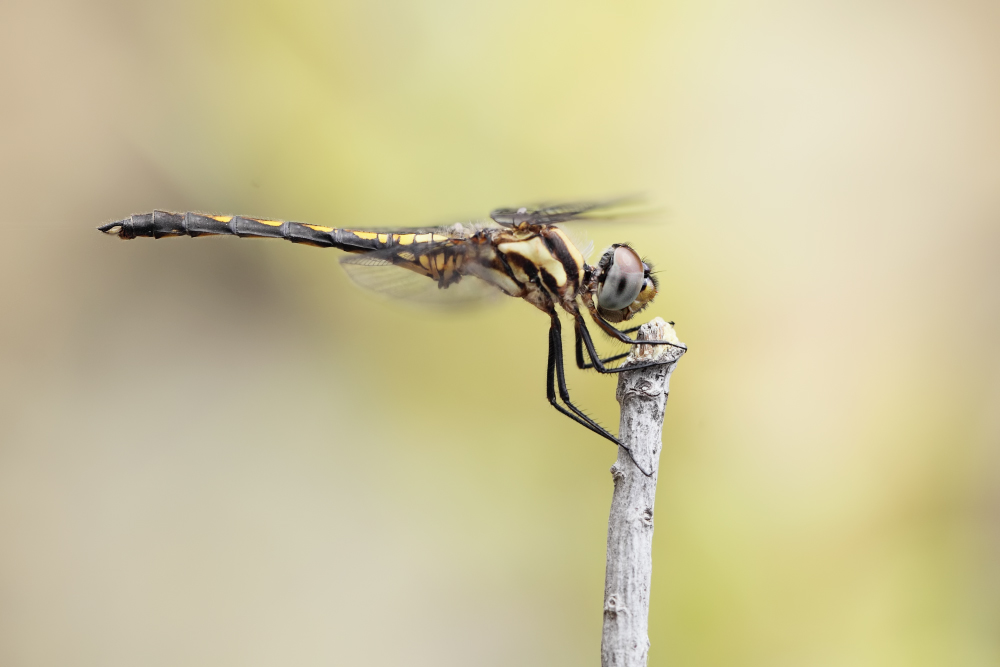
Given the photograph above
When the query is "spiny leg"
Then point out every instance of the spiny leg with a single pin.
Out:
(598, 365)
(609, 329)
(550, 392)
(556, 373)
(582, 363)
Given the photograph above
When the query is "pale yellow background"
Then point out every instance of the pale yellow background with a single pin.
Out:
(218, 452)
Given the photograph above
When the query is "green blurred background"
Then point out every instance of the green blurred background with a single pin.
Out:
(219, 452)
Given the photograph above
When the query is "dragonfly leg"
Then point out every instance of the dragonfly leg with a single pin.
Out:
(598, 363)
(609, 329)
(636, 328)
(556, 375)
(581, 361)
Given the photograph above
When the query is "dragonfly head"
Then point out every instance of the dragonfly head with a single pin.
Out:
(625, 283)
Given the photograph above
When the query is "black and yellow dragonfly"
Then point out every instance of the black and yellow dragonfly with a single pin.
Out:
(519, 251)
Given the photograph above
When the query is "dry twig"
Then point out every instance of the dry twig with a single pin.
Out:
(643, 397)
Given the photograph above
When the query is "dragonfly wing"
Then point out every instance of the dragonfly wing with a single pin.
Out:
(410, 273)
(582, 210)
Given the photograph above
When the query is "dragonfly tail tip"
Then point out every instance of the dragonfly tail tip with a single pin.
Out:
(113, 227)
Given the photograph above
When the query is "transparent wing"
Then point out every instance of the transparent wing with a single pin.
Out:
(609, 209)
(398, 273)
(581, 240)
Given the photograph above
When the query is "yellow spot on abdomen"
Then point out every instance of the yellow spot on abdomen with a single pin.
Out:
(221, 218)
(362, 235)
(318, 228)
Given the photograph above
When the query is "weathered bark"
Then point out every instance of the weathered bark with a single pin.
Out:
(643, 397)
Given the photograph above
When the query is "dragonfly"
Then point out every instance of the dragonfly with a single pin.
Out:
(520, 252)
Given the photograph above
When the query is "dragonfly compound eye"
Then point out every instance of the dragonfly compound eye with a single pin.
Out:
(622, 281)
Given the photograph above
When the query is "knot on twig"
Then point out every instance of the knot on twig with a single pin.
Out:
(642, 387)
(612, 607)
(617, 474)
(647, 516)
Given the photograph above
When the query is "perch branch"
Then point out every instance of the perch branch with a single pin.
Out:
(643, 397)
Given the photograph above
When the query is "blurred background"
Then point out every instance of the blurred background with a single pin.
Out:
(220, 452)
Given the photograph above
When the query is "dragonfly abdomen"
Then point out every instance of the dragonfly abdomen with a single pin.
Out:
(159, 224)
